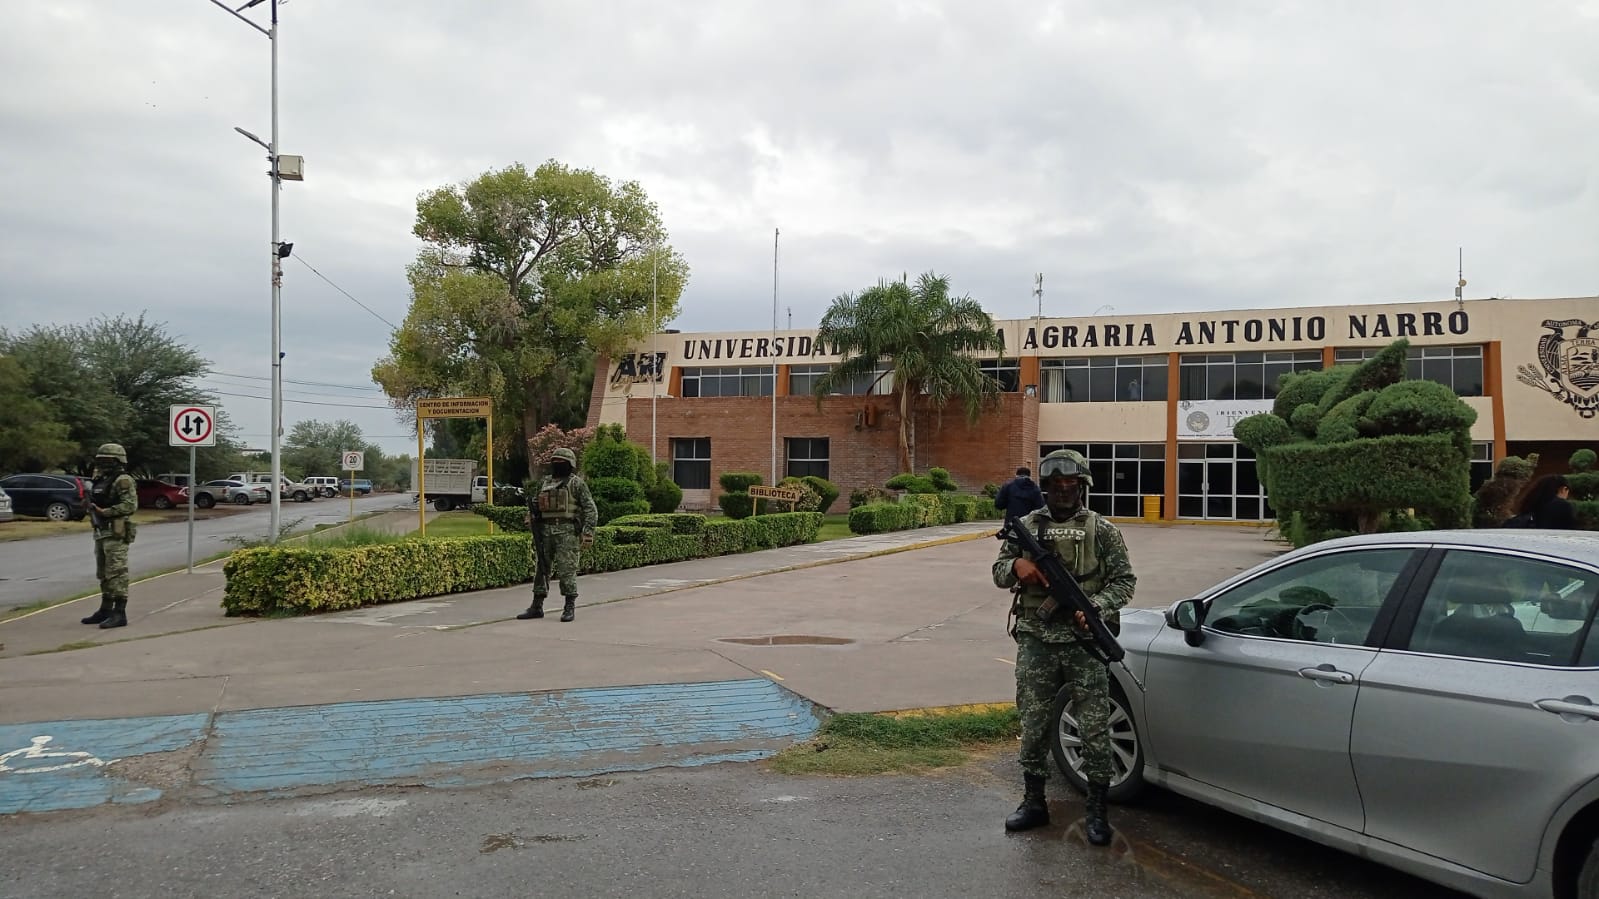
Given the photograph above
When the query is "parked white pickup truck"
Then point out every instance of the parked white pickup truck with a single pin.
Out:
(287, 489)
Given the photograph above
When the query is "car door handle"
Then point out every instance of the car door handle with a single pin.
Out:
(1327, 673)
(1571, 705)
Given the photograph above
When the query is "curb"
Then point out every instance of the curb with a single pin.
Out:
(975, 708)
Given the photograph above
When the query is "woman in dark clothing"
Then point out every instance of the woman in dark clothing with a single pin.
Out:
(1546, 504)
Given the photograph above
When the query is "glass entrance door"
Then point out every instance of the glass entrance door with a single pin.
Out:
(1219, 481)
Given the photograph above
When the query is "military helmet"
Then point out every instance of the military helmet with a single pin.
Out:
(1065, 462)
(564, 453)
(112, 451)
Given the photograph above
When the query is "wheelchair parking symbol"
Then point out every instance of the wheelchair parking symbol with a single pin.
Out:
(39, 751)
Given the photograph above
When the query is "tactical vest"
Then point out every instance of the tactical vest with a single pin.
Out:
(1074, 541)
(555, 499)
(101, 493)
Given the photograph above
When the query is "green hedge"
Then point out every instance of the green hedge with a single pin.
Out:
(738, 481)
(293, 579)
(736, 505)
(268, 579)
(878, 518)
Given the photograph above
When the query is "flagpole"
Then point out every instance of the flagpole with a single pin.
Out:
(773, 348)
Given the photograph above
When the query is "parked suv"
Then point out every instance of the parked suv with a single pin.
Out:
(58, 497)
(324, 485)
(362, 486)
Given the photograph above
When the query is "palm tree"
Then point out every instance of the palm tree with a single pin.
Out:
(928, 338)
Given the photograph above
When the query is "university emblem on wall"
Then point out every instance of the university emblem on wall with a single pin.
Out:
(638, 368)
(1569, 355)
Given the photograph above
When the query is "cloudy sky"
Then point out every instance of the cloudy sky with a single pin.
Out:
(1157, 156)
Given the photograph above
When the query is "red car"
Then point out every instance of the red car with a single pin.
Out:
(161, 495)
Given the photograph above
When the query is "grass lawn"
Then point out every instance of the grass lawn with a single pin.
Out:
(854, 744)
(834, 527)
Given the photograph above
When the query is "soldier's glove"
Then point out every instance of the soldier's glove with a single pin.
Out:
(1029, 574)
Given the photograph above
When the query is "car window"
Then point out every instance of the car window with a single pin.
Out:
(1506, 608)
(1324, 599)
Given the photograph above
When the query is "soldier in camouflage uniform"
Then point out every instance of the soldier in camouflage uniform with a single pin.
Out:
(1051, 657)
(569, 518)
(114, 499)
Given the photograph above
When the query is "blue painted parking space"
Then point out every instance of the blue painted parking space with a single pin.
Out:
(434, 742)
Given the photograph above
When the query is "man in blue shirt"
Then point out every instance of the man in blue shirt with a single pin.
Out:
(1020, 495)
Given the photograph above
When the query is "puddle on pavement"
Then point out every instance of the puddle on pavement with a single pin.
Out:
(787, 640)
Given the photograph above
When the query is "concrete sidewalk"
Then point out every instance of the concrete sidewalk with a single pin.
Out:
(912, 620)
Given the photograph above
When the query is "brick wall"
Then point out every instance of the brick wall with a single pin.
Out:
(862, 432)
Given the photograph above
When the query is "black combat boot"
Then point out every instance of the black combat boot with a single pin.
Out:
(103, 614)
(536, 610)
(1096, 826)
(570, 611)
(1034, 811)
(118, 616)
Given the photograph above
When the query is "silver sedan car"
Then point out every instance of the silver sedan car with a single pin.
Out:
(1428, 700)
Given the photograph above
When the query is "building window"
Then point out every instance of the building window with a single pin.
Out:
(1008, 374)
(1241, 376)
(737, 380)
(807, 456)
(802, 381)
(1457, 367)
(1104, 379)
(1482, 464)
(691, 462)
(1123, 474)
(802, 378)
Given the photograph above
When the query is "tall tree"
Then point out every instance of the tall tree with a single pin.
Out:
(928, 339)
(113, 380)
(31, 439)
(523, 278)
(315, 447)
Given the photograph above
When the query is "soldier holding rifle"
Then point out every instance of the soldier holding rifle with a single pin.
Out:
(1055, 648)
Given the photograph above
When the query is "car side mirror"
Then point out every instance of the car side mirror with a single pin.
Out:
(1188, 616)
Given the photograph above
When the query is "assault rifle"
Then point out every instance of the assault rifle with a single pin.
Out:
(1066, 597)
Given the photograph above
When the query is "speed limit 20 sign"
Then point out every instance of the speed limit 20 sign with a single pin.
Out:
(192, 426)
(354, 461)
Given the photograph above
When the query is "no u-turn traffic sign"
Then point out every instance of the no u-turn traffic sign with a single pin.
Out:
(192, 426)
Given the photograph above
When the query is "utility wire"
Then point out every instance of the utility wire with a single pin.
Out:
(392, 326)
(228, 374)
(251, 396)
(220, 382)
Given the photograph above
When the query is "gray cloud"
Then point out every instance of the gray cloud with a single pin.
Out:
(1163, 157)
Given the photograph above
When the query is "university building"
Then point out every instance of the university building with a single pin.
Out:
(1149, 400)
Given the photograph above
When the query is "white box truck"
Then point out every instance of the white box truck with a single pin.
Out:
(451, 483)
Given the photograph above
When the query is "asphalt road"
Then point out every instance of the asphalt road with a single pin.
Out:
(48, 568)
(731, 830)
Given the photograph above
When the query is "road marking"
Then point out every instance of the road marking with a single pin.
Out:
(770, 675)
(1006, 661)
(38, 751)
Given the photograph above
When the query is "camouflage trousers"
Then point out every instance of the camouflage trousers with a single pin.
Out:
(562, 547)
(1042, 671)
(111, 566)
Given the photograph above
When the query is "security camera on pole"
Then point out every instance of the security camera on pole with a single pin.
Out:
(283, 168)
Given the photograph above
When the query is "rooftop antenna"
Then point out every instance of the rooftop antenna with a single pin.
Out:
(1460, 285)
(1038, 291)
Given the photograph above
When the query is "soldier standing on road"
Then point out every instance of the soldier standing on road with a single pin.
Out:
(113, 500)
(569, 517)
(1051, 657)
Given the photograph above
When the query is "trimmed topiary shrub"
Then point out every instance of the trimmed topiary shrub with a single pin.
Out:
(736, 505)
(664, 495)
(615, 497)
(1495, 500)
(824, 488)
(738, 481)
(863, 495)
(878, 518)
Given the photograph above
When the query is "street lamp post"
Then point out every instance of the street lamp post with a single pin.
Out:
(282, 168)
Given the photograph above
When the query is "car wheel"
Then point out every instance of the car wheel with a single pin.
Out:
(162, 502)
(204, 500)
(1588, 880)
(1126, 749)
(443, 505)
(58, 512)
(329, 492)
